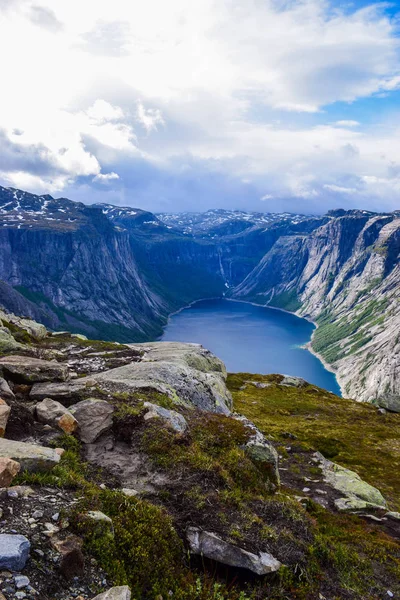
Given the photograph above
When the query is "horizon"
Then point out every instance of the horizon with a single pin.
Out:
(273, 106)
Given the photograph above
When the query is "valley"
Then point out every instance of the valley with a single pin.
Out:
(118, 273)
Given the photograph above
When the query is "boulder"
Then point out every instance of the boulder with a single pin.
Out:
(101, 523)
(94, 417)
(55, 414)
(34, 329)
(261, 451)
(5, 390)
(211, 546)
(14, 551)
(121, 592)
(170, 418)
(25, 369)
(390, 403)
(4, 414)
(7, 342)
(354, 504)
(67, 392)
(293, 381)
(8, 470)
(31, 457)
(349, 483)
(187, 373)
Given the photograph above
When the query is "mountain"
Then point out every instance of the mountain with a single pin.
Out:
(118, 272)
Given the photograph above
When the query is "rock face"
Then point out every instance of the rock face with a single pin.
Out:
(94, 417)
(14, 551)
(211, 546)
(170, 418)
(345, 276)
(187, 373)
(53, 413)
(350, 484)
(31, 457)
(24, 369)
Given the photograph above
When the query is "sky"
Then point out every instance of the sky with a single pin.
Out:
(267, 105)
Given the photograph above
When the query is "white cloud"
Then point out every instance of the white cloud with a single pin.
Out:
(228, 84)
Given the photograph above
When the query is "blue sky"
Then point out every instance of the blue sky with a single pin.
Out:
(195, 104)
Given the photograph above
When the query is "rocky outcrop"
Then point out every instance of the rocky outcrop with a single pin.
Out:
(170, 418)
(187, 373)
(213, 547)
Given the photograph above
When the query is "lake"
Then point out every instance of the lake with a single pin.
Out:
(251, 339)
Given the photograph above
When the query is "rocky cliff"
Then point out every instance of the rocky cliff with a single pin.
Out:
(117, 273)
(345, 276)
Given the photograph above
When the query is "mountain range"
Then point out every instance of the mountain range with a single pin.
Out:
(118, 272)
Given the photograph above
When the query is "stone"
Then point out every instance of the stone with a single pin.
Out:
(68, 392)
(31, 457)
(102, 523)
(79, 336)
(94, 417)
(25, 369)
(5, 391)
(14, 551)
(116, 593)
(188, 373)
(293, 381)
(8, 470)
(349, 483)
(130, 492)
(7, 342)
(53, 413)
(211, 546)
(72, 560)
(353, 504)
(261, 451)
(395, 516)
(170, 418)
(4, 414)
(21, 581)
(20, 491)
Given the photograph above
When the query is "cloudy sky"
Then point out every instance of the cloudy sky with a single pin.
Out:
(194, 104)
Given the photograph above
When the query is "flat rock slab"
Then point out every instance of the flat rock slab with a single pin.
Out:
(211, 546)
(68, 392)
(25, 369)
(116, 593)
(14, 551)
(32, 458)
(349, 483)
(187, 373)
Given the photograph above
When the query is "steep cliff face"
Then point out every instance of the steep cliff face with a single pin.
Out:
(345, 276)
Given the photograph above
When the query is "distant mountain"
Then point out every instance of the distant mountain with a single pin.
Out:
(118, 272)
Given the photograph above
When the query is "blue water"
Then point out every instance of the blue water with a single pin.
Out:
(251, 339)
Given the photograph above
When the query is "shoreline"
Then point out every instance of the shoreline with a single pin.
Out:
(307, 346)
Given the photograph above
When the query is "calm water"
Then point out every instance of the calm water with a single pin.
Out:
(251, 339)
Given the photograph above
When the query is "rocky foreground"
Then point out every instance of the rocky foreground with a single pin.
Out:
(127, 472)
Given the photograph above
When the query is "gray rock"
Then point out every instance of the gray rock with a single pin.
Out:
(211, 546)
(7, 342)
(293, 381)
(101, 521)
(54, 413)
(25, 369)
(5, 391)
(261, 451)
(170, 418)
(349, 483)
(187, 373)
(116, 593)
(94, 418)
(31, 457)
(67, 392)
(4, 414)
(395, 516)
(14, 551)
(21, 581)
